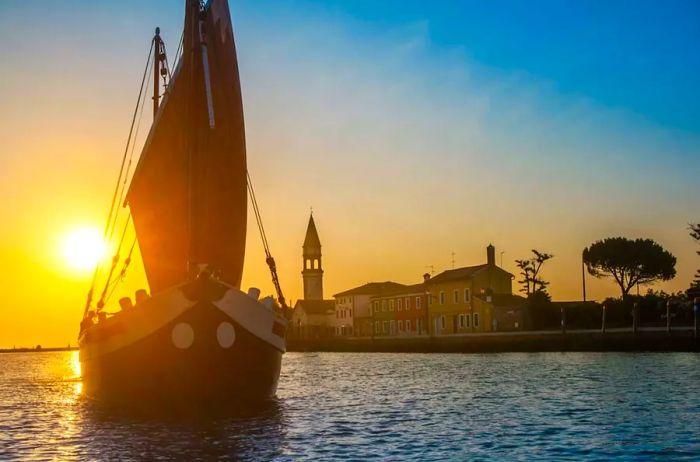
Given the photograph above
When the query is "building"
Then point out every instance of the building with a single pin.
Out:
(353, 314)
(400, 312)
(508, 311)
(313, 316)
(313, 271)
(461, 300)
(312, 319)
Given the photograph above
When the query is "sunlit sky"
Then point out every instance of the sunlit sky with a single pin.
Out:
(414, 129)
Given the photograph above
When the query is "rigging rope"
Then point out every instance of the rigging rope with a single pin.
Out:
(116, 189)
(122, 273)
(115, 262)
(268, 256)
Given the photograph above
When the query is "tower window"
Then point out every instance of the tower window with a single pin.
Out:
(442, 298)
(455, 296)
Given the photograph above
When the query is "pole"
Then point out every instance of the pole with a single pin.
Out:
(563, 320)
(696, 308)
(668, 316)
(605, 309)
(583, 277)
(634, 318)
(156, 71)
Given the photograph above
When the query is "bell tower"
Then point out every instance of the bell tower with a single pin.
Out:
(312, 270)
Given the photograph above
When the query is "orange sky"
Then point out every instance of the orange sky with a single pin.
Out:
(400, 172)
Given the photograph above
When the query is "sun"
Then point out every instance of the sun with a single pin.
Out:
(83, 248)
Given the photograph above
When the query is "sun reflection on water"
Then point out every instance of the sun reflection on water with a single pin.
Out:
(77, 374)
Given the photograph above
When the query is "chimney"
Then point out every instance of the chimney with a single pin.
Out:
(491, 255)
(426, 277)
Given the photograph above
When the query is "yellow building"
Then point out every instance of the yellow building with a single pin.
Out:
(461, 300)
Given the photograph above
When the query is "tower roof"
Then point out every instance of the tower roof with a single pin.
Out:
(312, 241)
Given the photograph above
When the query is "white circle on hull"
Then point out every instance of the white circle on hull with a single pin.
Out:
(182, 335)
(225, 334)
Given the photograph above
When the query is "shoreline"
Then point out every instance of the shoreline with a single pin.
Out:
(520, 342)
(37, 350)
(614, 340)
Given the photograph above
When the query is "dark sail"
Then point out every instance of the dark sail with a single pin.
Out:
(188, 195)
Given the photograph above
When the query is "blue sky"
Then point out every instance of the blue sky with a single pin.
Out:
(638, 55)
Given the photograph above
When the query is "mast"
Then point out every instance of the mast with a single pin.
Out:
(157, 68)
(188, 194)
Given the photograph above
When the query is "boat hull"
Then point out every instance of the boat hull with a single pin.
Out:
(184, 349)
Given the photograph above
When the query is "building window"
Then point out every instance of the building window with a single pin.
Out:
(407, 303)
(461, 321)
(468, 320)
(417, 303)
(385, 327)
(391, 305)
(430, 299)
(455, 297)
(476, 319)
(399, 304)
(408, 325)
(376, 307)
(377, 328)
(350, 312)
(383, 305)
(419, 325)
(400, 326)
(392, 327)
(467, 295)
(442, 298)
(442, 322)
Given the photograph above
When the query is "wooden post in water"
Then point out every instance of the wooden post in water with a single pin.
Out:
(634, 318)
(605, 309)
(668, 317)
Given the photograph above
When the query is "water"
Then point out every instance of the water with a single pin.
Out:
(546, 406)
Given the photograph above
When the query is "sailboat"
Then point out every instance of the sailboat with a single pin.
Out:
(196, 335)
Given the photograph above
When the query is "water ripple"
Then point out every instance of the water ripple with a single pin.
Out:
(548, 406)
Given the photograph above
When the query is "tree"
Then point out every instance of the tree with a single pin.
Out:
(526, 272)
(695, 234)
(530, 270)
(629, 262)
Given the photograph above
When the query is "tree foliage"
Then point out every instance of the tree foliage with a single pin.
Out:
(695, 234)
(530, 271)
(629, 262)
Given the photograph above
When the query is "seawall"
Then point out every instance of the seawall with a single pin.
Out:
(590, 341)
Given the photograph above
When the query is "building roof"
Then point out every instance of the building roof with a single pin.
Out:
(311, 240)
(372, 288)
(465, 272)
(316, 306)
(412, 289)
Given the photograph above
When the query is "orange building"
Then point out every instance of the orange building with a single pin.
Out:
(401, 312)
